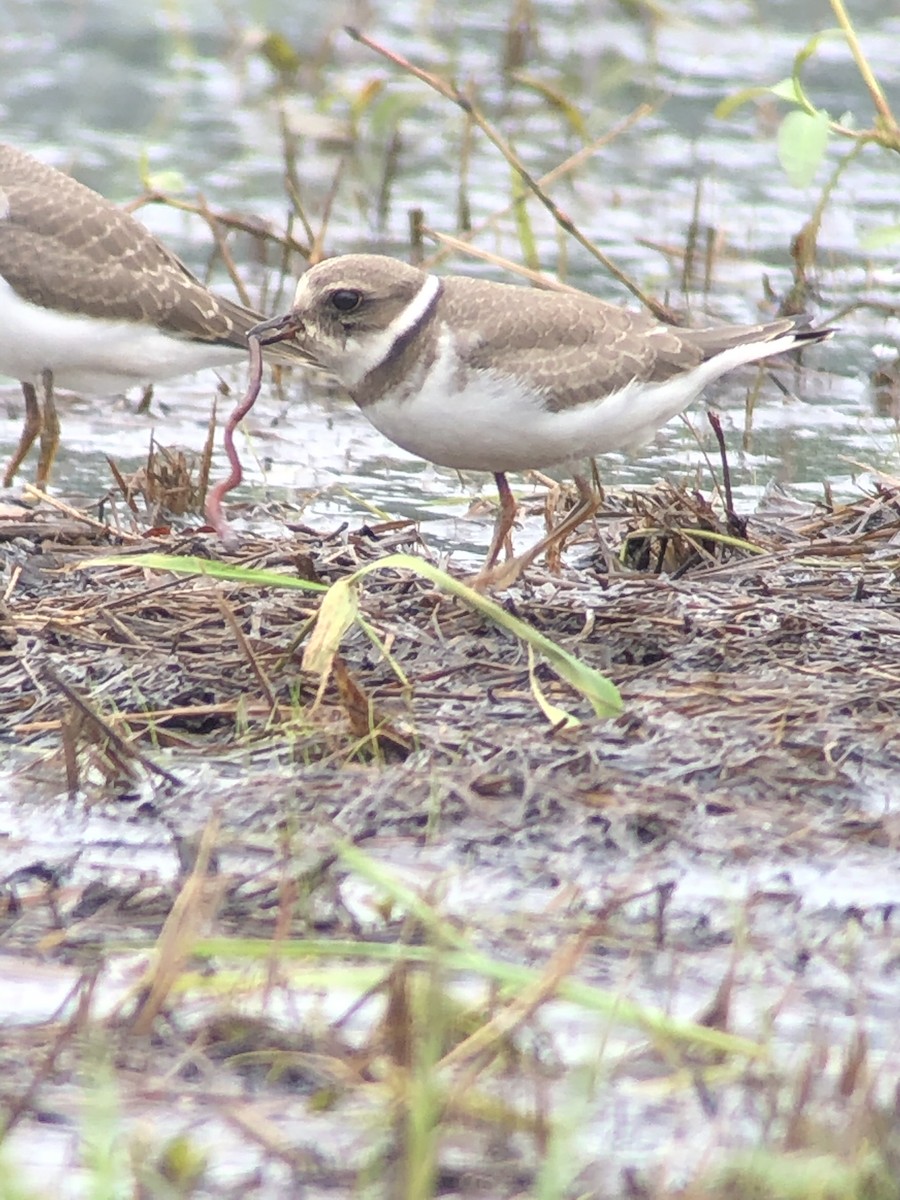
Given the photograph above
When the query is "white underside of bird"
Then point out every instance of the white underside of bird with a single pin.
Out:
(86, 354)
(496, 422)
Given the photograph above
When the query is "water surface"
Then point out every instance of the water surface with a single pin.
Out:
(98, 92)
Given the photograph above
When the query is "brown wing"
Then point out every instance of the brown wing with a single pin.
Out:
(575, 348)
(62, 244)
(572, 348)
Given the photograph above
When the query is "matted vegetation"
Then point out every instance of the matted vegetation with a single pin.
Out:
(377, 1025)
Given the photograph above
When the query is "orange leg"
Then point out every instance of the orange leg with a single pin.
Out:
(40, 421)
(507, 574)
(30, 429)
(49, 433)
(504, 523)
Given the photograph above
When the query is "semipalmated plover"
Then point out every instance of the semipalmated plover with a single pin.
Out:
(493, 377)
(91, 301)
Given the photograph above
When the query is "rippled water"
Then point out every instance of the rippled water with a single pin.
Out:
(99, 88)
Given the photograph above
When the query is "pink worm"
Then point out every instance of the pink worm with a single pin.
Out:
(214, 512)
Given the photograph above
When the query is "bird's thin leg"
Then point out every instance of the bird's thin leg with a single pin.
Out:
(49, 432)
(589, 502)
(504, 523)
(31, 427)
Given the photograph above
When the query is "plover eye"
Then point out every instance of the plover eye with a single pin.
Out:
(345, 300)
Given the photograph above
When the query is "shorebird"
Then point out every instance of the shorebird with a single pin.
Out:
(495, 377)
(90, 301)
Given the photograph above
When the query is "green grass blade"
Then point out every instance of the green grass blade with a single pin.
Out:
(601, 694)
(191, 565)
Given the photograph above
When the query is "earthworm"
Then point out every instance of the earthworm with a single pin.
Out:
(214, 513)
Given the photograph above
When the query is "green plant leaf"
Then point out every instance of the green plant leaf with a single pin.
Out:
(602, 695)
(448, 939)
(806, 52)
(878, 239)
(802, 140)
(279, 53)
(786, 89)
(527, 240)
(725, 108)
(558, 717)
(337, 612)
(191, 565)
(556, 98)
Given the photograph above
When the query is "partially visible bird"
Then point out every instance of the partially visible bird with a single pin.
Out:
(92, 302)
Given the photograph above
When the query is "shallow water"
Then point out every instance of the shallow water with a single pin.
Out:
(100, 91)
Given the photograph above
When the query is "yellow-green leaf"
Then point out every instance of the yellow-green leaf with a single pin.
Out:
(556, 98)
(555, 715)
(727, 107)
(188, 564)
(337, 612)
(878, 239)
(802, 140)
(602, 695)
(279, 53)
(527, 240)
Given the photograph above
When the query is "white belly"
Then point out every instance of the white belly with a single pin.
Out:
(497, 423)
(94, 356)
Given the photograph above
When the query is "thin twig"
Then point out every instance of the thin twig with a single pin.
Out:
(497, 260)
(566, 167)
(247, 650)
(862, 65)
(78, 515)
(452, 93)
(227, 220)
(123, 748)
(736, 525)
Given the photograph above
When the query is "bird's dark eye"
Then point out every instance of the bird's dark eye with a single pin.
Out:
(345, 300)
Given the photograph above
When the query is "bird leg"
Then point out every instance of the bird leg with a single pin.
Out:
(31, 427)
(504, 523)
(49, 433)
(43, 422)
(507, 574)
